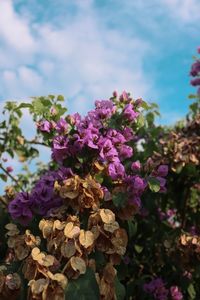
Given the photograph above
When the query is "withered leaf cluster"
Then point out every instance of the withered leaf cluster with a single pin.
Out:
(10, 284)
(80, 193)
(71, 234)
(182, 145)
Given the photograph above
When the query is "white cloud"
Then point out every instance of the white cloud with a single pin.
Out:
(186, 10)
(82, 56)
(29, 77)
(21, 82)
(9, 76)
(14, 29)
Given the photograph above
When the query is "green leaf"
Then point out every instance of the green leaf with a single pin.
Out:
(51, 97)
(145, 105)
(60, 110)
(138, 248)
(80, 159)
(119, 289)
(132, 228)
(192, 96)
(120, 199)
(194, 107)
(24, 105)
(38, 107)
(99, 178)
(10, 105)
(154, 184)
(191, 291)
(60, 98)
(150, 118)
(83, 288)
(140, 121)
(3, 177)
(10, 152)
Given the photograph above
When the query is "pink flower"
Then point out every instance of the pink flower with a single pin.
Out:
(163, 170)
(9, 169)
(115, 94)
(136, 166)
(44, 126)
(195, 82)
(129, 113)
(116, 170)
(176, 293)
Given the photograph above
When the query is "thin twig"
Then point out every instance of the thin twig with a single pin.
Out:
(11, 177)
(31, 142)
(37, 143)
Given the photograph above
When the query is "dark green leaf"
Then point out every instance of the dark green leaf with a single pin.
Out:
(132, 228)
(60, 98)
(83, 288)
(120, 199)
(99, 258)
(119, 289)
(99, 178)
(3, 177)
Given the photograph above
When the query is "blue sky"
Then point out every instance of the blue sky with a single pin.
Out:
(85, 49)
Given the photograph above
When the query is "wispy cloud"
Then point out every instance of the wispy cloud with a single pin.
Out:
(81, 56)
(186, 10)
(14, 30)
(87, 48)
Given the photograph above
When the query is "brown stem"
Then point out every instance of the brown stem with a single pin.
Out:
(37, 143)
(31, 142)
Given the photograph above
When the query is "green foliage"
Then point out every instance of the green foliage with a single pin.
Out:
(154, 184)
(154, 248)
(191, 291)
(120, 199)
(120, 289)
(83, 288)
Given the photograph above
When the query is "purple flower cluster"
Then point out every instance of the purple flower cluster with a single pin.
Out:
(195, 69)
(41, 199)
(20, 208)
(129, 113)
(93, 133)
(195, 72)
(160, 175)
(136, 186)
(45, 126)
(157, 289)
(104, 135)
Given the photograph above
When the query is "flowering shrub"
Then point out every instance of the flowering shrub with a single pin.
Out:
(81, 209)
(114, 215)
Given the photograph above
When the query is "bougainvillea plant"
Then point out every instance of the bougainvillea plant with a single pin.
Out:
(78, 213)
(114, 215)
